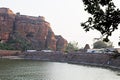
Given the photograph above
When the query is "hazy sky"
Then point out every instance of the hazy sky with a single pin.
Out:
(64, 16)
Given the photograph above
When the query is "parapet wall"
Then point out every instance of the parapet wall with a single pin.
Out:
(100, 59)
(49, 56)
(89, 58)
(96, 59)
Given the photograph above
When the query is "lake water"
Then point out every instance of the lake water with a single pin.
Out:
(38, 70)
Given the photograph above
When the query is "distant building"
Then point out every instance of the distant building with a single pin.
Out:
(86, 47)
(95, 51)
(31, 50)
(84, 50)
(46, 50)
(104, 50)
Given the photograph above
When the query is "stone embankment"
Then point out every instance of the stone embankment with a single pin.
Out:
(47, 56)
(102, 60)
(10, 52)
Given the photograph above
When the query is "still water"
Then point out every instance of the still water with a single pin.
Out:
(38, 70)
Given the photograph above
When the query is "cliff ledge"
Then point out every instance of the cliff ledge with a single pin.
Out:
(28, 32)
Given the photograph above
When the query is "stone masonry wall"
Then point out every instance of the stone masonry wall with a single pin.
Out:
(105, 60)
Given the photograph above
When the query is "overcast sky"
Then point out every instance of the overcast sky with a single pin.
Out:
(64, 16)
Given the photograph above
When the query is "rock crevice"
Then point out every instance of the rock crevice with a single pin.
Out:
(34, 30)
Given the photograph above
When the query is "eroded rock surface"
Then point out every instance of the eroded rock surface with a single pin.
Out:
(34, 30)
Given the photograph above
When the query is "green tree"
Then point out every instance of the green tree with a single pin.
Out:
(72, 46)
(18, 43)
(102, 44)
(5, 46)
(105, 17)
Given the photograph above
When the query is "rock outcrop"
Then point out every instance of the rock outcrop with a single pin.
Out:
(7, 18)
(33, 30)
(61, 43)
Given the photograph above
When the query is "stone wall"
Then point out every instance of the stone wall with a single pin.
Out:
(10, 52)
(96, 59)
(47, 56)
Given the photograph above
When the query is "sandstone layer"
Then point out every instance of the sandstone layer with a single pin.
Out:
(16, 28)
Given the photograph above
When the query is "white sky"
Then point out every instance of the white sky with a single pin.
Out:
(64, 16)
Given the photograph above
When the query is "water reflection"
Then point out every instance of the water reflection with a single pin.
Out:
(37, 70)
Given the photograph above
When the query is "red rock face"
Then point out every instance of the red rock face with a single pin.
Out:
(6, 23)
(61, 43)
(33, 29)
(50, 40)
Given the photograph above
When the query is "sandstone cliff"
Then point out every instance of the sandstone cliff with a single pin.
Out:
(61, 43)
(17, 29)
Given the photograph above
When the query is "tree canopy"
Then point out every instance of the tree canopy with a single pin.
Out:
(72, 46)
(104, 18)
(101, 44)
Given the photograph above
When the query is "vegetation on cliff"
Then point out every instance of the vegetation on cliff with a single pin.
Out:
(16, 44)
(23, 32)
